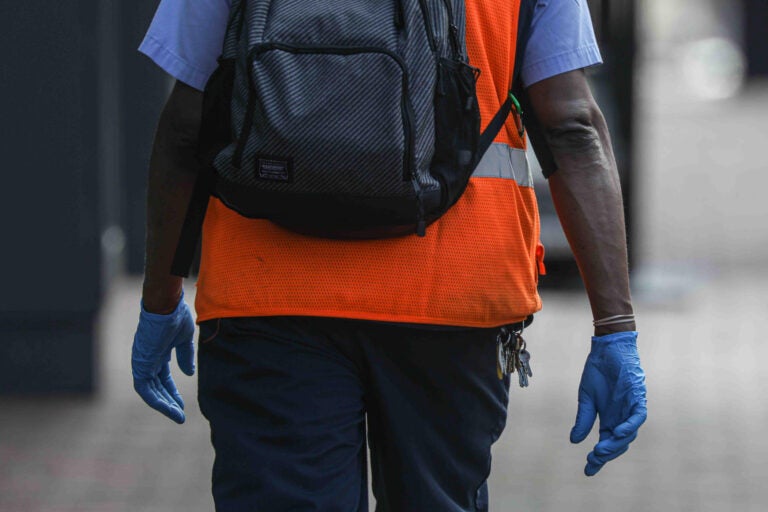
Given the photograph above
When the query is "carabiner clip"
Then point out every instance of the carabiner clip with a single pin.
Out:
(517, 114)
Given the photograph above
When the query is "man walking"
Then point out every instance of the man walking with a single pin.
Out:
(309, 345)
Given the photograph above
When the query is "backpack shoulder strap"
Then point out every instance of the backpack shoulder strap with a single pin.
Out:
(216, 90)
(497, 123)
(535, 133)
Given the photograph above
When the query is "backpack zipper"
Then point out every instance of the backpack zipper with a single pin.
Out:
(453, 30)
(428, 26)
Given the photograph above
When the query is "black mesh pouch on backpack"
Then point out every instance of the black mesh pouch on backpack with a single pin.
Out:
(457, 129)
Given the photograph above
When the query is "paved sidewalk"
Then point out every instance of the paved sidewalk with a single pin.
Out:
(703, 448)
(110, 453)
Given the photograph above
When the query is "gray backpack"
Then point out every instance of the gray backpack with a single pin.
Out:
(344, 118)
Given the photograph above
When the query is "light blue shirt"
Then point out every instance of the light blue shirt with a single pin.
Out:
(186, 37)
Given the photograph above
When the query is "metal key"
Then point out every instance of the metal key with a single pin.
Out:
(514, 361)
(522, 362)
(504, 353)
(524, 371)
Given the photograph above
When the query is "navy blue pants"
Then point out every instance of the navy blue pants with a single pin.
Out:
(288, 398)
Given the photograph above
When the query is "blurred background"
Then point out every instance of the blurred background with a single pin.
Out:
(685, 91)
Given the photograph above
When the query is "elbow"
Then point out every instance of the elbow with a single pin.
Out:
(175, 147)
(577, 130)
(179, 125)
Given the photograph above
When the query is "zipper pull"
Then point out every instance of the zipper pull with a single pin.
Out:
(399, 15)
(421, 222)
(453, 31)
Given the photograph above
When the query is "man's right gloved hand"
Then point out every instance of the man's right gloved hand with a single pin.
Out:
(156, 336)
(613, 387)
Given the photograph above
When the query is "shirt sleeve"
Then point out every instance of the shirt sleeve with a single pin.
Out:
(186, 37)
(561, 39)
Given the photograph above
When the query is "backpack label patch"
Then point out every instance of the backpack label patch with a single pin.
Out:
(274, 168)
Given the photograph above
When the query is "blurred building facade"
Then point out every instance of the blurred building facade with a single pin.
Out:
(77, 123)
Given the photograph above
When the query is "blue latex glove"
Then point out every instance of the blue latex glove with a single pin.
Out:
(156, 336)
(612, 386)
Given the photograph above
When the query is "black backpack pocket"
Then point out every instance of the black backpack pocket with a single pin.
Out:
(457, 129)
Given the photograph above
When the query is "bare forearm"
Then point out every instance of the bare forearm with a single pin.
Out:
(587, 196)
(172, 174)
(586, 192)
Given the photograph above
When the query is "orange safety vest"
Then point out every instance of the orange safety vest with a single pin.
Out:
(477, 266)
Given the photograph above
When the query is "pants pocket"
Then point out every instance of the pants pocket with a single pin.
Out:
(209, 330)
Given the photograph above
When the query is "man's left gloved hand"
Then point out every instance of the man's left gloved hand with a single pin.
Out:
(613, 387)
(156, 336)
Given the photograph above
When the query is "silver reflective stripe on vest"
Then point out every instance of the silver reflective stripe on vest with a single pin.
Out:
(502, 161)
